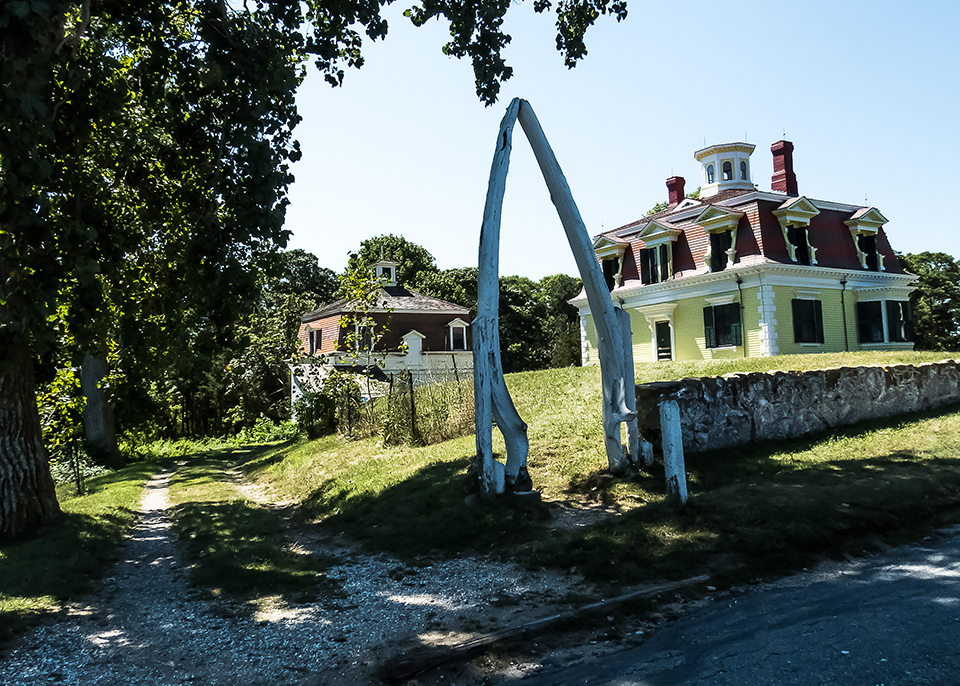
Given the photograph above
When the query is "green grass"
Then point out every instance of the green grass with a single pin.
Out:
(58, 562)
(753, 511)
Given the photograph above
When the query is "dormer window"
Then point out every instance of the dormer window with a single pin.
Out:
(728, 171)
(864, 225)
(610, 253)
(655, 259)
(720, 224)
(797, 237)
(744, 176)
(458, 334)
(794, 216)
(867, 247)
(655, 264)
(720, 244)
(709, 173)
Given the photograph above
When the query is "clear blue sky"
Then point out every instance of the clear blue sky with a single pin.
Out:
(868, 92)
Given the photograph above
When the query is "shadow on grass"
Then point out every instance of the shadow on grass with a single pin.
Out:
(768, 525)
(242, 549)
(60, 561)
(424, 514)
(750, 515)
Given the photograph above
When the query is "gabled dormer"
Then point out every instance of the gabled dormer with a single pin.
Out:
(610, 253)
(725, 167)
(864, 225)
(794, 216)
(656, 259)
(720, 225)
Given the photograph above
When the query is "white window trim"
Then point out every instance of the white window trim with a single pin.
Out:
(457, 324)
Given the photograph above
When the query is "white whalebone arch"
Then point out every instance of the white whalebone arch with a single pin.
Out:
(613, 324)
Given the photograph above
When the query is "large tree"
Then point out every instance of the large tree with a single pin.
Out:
(936, 301)
(414, 262)
(143, 167)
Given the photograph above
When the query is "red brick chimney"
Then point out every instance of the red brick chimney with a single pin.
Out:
(784, 180)
(675, 190)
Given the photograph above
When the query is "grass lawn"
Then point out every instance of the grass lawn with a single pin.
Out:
(58, 562)
(761, 510)
(755, 511)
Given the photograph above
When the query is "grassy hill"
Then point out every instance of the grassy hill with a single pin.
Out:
(752, 511)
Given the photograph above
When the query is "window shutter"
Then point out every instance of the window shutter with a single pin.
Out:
(818, 319)
(645, 267)
(736, 330)
(797, 320)
(709, 331)
(664, 262)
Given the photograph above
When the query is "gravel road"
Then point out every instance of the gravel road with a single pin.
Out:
(146, 624)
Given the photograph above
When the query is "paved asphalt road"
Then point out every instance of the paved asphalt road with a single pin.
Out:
(891, 620)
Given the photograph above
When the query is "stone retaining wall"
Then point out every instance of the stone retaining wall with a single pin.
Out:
(731, 410)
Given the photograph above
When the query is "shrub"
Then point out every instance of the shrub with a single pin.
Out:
(335, 407)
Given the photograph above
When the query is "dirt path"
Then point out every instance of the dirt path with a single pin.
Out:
(146, 624)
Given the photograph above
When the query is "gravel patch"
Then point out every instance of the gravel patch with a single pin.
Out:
(146, 624)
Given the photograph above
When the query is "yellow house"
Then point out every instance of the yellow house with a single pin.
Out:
(740, 272)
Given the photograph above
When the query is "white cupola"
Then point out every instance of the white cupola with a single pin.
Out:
(386, 270)
(725, 167)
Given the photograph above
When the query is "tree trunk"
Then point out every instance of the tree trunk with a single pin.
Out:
(27, 495)
(99, 427)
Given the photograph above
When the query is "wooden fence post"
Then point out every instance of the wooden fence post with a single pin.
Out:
(674, 468)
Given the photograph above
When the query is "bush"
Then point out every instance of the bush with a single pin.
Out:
(335, 407)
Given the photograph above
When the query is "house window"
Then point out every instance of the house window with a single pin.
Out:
(611, 267)
(807, 321)
(728, 171)
(315, 339)
(743, 171)
(898, 322)
(458, 338)
(721, 325)
(363, 338)
(870, 321)
(867, 245)
(797, 235)
(709, 173)
(387, 274)
(720, 243)
(655, 264)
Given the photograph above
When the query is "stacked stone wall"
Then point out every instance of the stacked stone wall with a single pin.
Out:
(735, 409)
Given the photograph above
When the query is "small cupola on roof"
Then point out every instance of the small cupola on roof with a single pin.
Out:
(387, 271)
(725, 167)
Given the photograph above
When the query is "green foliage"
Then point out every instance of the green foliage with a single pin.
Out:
(265, 430)
(661, 206)
(538, 328)
(476, 31)
(935, 304)
(298, 272)
(335, 407)
(414, 262)
(61, 412)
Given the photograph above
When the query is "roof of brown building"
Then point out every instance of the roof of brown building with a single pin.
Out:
(390, 299)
